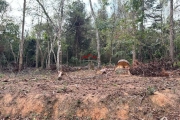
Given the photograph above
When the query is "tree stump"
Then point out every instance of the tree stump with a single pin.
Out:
(122, 67)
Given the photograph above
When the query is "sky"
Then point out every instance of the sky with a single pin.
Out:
(16, 7)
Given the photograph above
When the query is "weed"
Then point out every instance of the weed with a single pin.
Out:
(1, 75)
(63, 89)
(106, 86)
(88, 118)
(150, 90)
(78, 103)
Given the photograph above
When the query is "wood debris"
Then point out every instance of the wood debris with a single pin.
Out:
(101, 71)
(60, 73)
(154, 68)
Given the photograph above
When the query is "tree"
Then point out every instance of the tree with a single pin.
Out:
(60, 21)
(3, 9)
(97, 35)
(57, 26)
(22, 39)
(171, 35)
(77, 27)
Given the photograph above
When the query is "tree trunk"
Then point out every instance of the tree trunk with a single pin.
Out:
(171, 36)
(142, 31)
(14, 55)
(37, 50)
(50, 50)
(134, 53)
(133, 34)
(59, 51)
(97, 35)
(22, 39)
(59, 24)
(112, 35)
(49, 57)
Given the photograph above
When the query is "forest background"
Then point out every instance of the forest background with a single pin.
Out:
(67, 31)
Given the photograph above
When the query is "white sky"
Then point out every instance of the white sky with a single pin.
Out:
(16, 7)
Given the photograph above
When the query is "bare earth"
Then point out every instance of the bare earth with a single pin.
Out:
(84, 95)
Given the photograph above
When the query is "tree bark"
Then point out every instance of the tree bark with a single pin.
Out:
(171, 36)
(45, 12)
(58, 31)
(97, 35)
(112, 34)
(37, 49)
(142, 31)
(59, 51)
(22, 39)
(14, 55)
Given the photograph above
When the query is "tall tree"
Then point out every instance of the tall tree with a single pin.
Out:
(171, 35)
(97, 35)
(3, 8)
(22, 39)
(77, 27)
(57, 26)
(59, 43)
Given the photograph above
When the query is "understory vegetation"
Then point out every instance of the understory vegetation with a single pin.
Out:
(65, 32)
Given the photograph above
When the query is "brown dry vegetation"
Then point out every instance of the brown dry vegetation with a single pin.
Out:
(84, 95)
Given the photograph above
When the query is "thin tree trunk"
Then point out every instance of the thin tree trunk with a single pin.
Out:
(50, 50)
(37, 51)
(42, 54)
(112, 36)
(14, 55)
(171, 36)
(134, 52)
(49, 58)
(37, 40)
(133, 33)
(67, 56)
(22, 39)
(142, 31)
(60, 19)
(59, 51)
(97, 35)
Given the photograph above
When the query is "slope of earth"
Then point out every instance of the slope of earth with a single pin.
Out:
(83, 95)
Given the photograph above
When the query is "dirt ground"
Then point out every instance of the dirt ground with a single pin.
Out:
(84, 95)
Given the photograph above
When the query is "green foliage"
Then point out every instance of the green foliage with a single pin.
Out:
(3, 5)
(1, 75)
(150, 90)
(78, 30)
(9, 43)
(29, 52)
(119, 32)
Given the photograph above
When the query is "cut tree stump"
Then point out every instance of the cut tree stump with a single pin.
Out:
(122, 67)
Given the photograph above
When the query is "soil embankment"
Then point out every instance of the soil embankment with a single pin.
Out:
(83, 95)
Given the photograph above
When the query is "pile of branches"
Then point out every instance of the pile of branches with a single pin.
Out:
(154, 68)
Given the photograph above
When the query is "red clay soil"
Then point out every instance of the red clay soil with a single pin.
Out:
(84, 95)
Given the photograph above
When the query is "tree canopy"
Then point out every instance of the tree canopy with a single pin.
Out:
(65, 31)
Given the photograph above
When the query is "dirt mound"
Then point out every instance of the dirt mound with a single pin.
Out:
(88, 96)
